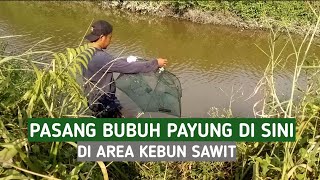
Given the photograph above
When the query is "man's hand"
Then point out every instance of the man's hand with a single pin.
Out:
(162, 62)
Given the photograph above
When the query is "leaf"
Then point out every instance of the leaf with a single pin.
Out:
(46, 105)
(20, 120)
(25, 158)
(48, 90)
(37, 71)
(10, 150)
(7, 154)
(26, 95)
(59, 83)
(75, 171)
(73, 144)
(30, 105)
(21, 177)
(63, 59)
(86, 46)
(75, 54)
(82, 48)
(302, 152)
(78, 67)
(103, 170)
(83, 60)
(6, 59)
(292, 170)
(78, 50)
(70, 54)
(4, 133)
(91, 51)
(263, 164)
(57, 59)
(300, 176)
(58, 63)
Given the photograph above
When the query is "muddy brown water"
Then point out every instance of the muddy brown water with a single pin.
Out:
(215, 64)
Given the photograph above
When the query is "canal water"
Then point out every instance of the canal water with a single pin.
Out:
(215, 64)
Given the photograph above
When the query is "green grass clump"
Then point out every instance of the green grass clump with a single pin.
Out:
(245, 14)
(291, 160)
(295, 12)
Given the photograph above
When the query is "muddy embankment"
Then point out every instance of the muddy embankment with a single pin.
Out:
(298, 23)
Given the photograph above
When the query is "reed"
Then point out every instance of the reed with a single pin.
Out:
(298, 159)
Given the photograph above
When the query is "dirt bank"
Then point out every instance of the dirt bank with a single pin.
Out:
(219, 17)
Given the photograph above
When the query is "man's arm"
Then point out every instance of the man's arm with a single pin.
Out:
(122, 66)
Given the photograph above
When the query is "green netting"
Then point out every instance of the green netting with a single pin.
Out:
(153, 92)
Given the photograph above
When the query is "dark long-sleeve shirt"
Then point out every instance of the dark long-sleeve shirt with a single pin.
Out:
(100, 72)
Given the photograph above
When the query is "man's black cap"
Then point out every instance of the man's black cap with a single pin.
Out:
(99, 28)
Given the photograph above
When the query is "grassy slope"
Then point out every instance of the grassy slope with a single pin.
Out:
(296, 15)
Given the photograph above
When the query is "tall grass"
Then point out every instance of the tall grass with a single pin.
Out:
(36, 89)
(29, 89)
(274, 160)
(300, 159)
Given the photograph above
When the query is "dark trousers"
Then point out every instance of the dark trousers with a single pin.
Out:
(106, 107)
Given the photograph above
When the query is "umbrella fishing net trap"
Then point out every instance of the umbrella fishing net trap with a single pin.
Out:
(158, 91)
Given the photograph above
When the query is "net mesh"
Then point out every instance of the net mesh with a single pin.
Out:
(153, 92)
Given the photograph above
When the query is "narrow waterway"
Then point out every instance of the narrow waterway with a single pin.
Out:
(215, 64)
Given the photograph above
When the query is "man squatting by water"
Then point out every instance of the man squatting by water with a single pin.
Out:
(101, 88)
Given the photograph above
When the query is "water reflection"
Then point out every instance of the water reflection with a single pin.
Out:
(212, 62)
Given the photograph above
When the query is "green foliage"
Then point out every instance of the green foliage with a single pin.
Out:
(56, 88)
(27, 90)
(297, 160)
(256, 14)
(181, 6)
(293, 12)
